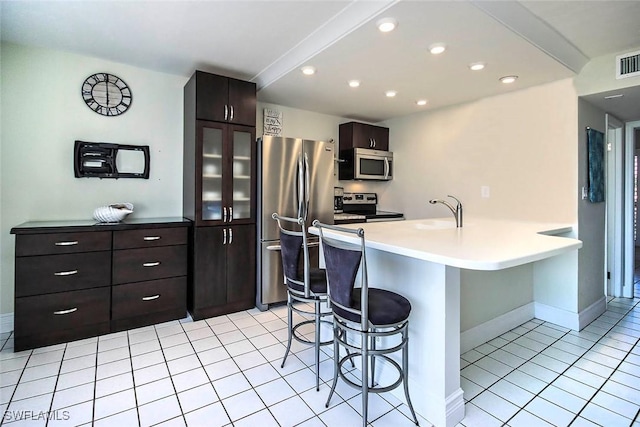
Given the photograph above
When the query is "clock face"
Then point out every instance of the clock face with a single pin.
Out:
(106, 94)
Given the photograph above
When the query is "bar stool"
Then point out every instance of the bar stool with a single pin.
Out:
(364, 312)
(308, 286)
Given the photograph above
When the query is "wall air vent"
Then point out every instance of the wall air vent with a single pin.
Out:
(628, 65)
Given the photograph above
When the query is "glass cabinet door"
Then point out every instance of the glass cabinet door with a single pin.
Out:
(242, 170)
(212, 173)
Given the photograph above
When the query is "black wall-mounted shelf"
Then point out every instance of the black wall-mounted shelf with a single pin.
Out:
(98, 160)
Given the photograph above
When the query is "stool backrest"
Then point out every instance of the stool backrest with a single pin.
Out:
(293, 243)
(343, 261)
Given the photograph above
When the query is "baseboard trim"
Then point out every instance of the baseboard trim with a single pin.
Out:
(6, 323)
(592, 312)
(493, 328)
(569, 319)
(454, 408)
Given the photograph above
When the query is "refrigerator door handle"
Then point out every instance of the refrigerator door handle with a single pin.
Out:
(306, 189)
(300, 183)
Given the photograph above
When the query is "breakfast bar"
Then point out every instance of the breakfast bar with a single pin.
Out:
(422, 260)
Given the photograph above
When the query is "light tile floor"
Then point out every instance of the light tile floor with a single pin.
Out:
(226, 371)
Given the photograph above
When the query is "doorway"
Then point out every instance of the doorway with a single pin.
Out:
(631, 193)
(622, 217)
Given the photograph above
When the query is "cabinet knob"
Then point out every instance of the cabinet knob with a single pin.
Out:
(231, 118)
(151, 298)
(230, 236)
(226, 112)
(224, 236)
(151, 238)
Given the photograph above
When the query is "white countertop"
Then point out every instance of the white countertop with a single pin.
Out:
(481, 244)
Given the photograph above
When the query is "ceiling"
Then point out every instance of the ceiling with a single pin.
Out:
(269, 41)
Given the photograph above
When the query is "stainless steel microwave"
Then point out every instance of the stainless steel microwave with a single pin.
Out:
(365, 164)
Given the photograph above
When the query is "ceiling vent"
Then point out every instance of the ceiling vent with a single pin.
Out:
(628, 65)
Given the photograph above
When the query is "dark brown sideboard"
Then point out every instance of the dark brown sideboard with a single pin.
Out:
(77, 279)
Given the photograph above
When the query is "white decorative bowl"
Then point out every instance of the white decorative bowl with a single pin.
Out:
(113, 213)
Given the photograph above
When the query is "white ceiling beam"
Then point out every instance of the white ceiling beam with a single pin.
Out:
(353, 16)
(523, 22)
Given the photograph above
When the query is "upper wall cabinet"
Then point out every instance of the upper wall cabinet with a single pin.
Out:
(362, 135)
(224, 99)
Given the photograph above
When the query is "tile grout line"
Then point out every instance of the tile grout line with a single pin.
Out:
(576, 416)
(540, 352)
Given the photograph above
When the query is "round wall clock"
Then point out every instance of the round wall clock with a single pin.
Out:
(106, 94)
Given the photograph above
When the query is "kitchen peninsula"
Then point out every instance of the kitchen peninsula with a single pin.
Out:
(422, 260)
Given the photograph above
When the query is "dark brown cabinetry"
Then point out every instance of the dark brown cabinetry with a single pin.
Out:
(219, 174)
(75, 279)
(219, 193)
(362, 135)
(224, 269)
(223, 99)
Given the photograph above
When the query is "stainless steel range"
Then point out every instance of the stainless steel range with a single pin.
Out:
(363, 207)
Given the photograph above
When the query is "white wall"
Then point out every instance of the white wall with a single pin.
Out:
(591, 225)
(521, 144)
(599, 75)
(301, 123)
(43, 114)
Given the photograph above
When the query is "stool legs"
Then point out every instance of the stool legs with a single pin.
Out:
(364, 349)
(367, 353)
(405, 371)
(336, 360)
(373, 359)
(289, 329)
(317, 345)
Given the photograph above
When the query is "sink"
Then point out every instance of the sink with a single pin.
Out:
(434, 224)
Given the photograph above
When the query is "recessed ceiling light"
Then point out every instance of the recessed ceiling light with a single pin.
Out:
(476, 66)
(387, 24)
(619, 95)
(391, 93)
(508, 79)
(354, 83)
(308, 70)
(437, 48)
(421, 102)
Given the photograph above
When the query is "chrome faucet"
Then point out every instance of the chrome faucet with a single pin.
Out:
(457, 211)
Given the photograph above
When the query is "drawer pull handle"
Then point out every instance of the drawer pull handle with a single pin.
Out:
(150, 238)
(151, 264)
(70, 243)
(65, 273)
(71, 310)
(151, 298)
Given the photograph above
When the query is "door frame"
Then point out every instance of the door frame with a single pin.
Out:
(615, 207)
(629, 243)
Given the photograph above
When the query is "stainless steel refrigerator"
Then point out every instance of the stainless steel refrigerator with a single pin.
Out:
(295, 179)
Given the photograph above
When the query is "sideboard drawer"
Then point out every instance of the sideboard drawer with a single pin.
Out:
(65, 310)
(150, 237)
(62, 243)
(135, 299)
(137, 265)
(47, 274)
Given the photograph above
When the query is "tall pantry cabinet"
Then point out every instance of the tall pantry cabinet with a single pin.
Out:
(219, 193)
